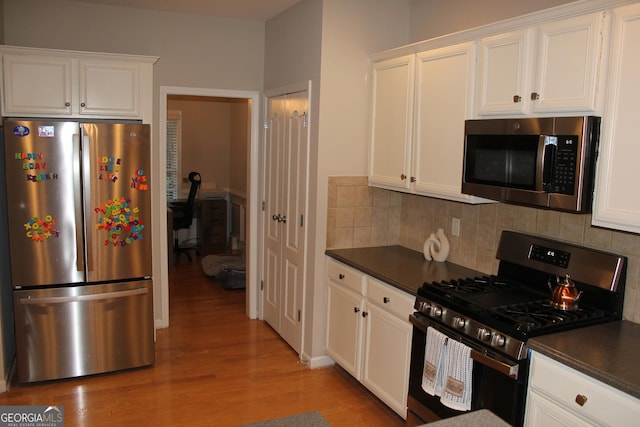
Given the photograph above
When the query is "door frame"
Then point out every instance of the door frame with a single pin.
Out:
(253, 190)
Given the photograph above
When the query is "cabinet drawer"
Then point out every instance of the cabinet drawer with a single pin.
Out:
(563, 385)
(213, 208)
(346, 276)
(393, 300)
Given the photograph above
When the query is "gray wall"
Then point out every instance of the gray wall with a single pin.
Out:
(432, 18)
(328, 42)
(195, 50)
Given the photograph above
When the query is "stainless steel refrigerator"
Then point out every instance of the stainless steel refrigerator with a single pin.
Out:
(79, 211)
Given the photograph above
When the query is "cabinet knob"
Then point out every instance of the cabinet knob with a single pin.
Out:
(67, 104)
(386, 300)
(581, 399)
(403, 177)
(82, 104)
(356, 309)
(535, 96)
(517, 98)
(365, 314)
(340, 276)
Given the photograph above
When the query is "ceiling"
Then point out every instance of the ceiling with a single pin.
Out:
(254, 10)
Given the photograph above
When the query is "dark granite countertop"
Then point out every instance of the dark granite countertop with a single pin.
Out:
(401, 267)
(608, 353)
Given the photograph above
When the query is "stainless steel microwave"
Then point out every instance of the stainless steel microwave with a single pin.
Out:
(546, 162)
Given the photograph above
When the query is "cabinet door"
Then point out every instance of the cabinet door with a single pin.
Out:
(109, 88)
(617, 204)
(541, 412)
(387, 352)
(344, 328)
(37, 85)
(392, 114)
(445, 81)
(503, 73)
(568, 64)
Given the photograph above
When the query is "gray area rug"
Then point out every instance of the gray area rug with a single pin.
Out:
(307, 419)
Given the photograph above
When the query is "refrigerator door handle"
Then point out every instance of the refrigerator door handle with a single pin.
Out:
(81, 298)
(86, 191)
(77, 189)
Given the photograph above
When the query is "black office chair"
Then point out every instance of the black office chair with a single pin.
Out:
(183, 215)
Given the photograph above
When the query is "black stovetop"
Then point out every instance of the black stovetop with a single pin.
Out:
(508, 306)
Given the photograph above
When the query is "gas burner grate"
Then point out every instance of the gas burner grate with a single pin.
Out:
(473, 285)
(537, 315)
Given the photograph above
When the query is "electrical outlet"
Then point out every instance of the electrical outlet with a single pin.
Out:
(455, 227)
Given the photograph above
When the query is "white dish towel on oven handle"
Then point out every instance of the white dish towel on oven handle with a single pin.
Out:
(434, 354)
(457, 376)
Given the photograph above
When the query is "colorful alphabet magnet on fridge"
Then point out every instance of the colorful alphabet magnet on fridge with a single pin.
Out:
(120, 221)
(39, 230)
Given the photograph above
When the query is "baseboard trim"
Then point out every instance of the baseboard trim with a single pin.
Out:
(5, 383)
(317, 362)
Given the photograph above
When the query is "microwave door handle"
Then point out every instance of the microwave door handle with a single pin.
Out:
(549, 161)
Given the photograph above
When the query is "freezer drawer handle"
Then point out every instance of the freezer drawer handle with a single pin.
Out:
(81, 298)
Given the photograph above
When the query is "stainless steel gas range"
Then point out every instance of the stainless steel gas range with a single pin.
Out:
(495, 316)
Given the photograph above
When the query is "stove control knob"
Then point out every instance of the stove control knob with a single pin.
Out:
(484, 334)
(423, 307)
(498, 340)
(459, 322)
(436, 311)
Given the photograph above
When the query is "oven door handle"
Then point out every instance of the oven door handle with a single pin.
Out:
(496, 365)
(503, 367)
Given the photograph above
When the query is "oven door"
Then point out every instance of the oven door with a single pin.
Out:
(499, 384)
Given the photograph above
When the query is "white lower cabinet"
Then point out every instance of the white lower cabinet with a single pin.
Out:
(561, 396)
(369, 334)
(344, 328)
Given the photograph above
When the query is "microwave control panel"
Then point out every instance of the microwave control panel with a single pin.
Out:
(564, 174)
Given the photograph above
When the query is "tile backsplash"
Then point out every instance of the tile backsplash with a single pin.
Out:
(362, 216)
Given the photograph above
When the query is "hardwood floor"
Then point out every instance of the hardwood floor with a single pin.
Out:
(214, 367)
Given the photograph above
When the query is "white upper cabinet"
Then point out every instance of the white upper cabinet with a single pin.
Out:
(550, 68)
(444, 99)
(503, 71)
(392, 119)
(420, 103)
(36, 84)
(53, 83)
(110, 88)
(617, 201)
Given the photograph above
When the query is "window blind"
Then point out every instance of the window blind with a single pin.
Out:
(174, 125)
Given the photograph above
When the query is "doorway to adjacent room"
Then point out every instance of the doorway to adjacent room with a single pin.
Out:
(252, 193)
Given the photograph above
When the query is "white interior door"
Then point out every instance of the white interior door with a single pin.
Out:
(294, 186)
(272, 209)
(286, 138)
